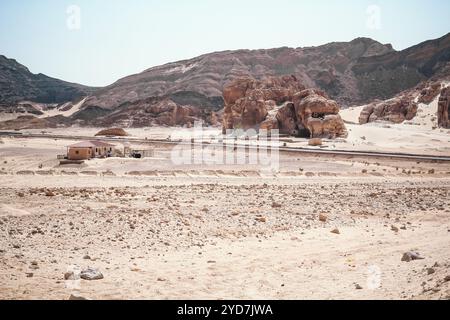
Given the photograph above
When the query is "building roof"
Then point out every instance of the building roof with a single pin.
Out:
(91, 144)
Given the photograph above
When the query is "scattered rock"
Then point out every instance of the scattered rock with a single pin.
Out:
(358, 287)
(411, 255)
(394, 228)
(79, 298)
(323, 217)
(91, 274)
(276, 205)
(447, 278)
(430, 271)
(49, 193)
(335, 231)
(71, 276)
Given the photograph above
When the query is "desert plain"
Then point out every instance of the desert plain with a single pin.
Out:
(322, 227)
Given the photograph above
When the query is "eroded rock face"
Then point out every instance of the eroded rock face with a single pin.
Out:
(281, 103)
(156, 112)
(248, 101)
(428, 94)
(319, 115)
(395, 110)
(444, 108)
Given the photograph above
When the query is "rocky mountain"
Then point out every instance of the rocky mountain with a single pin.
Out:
(358, 72)
(354, 72)
(18, 84)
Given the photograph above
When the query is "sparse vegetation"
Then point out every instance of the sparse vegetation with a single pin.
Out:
(315, 142)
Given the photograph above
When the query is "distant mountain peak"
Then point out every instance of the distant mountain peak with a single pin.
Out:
(18, 84)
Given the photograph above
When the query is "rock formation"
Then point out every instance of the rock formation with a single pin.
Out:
(281, 103)
(395, 110)
(444, 108)
(352, 73)
(318, 115)
(429, 93)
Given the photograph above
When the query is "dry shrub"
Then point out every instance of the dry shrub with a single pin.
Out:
(315, 142)
(117, 132)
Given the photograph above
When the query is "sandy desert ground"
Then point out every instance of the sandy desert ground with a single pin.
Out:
(159, 231)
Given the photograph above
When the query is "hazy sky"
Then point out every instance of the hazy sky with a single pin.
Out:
(110, 39)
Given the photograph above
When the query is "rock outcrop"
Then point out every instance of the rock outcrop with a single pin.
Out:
(249, 101)
(444, 108)
(150, 112)
(396, 110)
(281, 103)
(429, 93)
(318, 115)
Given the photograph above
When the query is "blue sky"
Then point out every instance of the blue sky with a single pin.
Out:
(117, 38)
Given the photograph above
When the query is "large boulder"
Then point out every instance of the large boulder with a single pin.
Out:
(444, 108)
(395, 110)
(319, 115)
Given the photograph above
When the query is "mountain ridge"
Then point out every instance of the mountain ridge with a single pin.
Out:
(18, 84)
(336, 67)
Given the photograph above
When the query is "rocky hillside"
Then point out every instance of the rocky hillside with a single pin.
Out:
(353, 72)
(18, 84)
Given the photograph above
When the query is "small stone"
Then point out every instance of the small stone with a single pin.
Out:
(74, 297)
(261, 219)
(87, 257)
(411, 255)
(276, 205)
(447, 278)
(91, 274)
(50, 193)
(70, 276)
(430, 271)
(335, 231)
(358, 287)
(30, 274)
(394, 228)
(323, 217)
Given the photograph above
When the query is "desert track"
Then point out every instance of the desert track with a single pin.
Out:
(341, 153)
